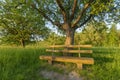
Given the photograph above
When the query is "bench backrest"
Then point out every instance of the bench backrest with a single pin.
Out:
(70, 48)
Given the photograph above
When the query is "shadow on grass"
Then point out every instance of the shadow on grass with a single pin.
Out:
(101, 60)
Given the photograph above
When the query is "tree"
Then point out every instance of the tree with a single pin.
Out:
(20, 23)
(69, 15)
(118, 37)
(113, 36)
(55, 39)
(95, 33)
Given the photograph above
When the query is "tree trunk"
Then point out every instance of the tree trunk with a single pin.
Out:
(69, 37)
(69, 34)
(22, 42)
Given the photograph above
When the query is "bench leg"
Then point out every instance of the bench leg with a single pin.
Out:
(79, 65)
(50, 62)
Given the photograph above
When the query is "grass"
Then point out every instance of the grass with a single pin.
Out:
(106, 67)
(20, 64)
(24, 64)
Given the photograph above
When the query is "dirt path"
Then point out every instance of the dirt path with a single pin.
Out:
(57, 76)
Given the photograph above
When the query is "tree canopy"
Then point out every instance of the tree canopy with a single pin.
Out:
(20, 23)
(69, 15)
(23, 20)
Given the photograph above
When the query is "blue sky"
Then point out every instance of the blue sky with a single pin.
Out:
(118, 26)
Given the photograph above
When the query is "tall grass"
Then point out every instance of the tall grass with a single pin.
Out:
(24, 64)
(20, 64)
(106, 67)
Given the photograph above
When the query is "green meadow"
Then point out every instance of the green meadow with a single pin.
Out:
(24, 64)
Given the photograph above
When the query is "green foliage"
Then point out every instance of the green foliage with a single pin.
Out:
(20, 22)
(68, 15)
(52, 11)
(98, 34)
(118, 37)
(113, 36)
(100, 6)
(55, 39)
(94, 33)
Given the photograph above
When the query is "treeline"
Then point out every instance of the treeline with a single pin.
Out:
(97, 34)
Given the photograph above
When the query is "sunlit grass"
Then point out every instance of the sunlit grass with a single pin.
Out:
(106, 67)
(20, 64)
(24, 64)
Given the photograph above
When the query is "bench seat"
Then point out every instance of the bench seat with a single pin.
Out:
(78, 60)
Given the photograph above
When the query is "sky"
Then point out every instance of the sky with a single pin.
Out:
(118, 26)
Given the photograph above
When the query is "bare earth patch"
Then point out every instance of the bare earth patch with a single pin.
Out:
(57, 76)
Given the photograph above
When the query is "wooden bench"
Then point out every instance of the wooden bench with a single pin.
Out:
(86, 49)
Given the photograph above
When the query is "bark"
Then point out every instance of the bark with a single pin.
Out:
(22, 42)
(69, 34)
(69, 37)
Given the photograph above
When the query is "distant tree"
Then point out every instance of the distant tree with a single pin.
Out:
(93, 33)
(118, 37)
(101, 30)
(113, 36)
(19, 23)
(55, 39)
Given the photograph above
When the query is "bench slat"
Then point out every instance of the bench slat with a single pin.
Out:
(69, 59)
(70, 51)
(70, 46)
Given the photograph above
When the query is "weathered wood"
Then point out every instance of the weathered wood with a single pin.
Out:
(77, 60)
(70, 46)
(50, 62)
(79, 65)
(70, 51)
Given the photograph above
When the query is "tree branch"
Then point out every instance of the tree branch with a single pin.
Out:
(45, 16)
(5, 24)
(62, 10)
(73, 9)
(21, 3)
(82, 12)
(50, 12)
(84, 21)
